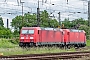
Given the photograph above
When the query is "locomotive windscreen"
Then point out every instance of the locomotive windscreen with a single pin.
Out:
(27, 32)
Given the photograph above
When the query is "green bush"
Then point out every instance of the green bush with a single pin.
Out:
(6, 44)
(5, 33)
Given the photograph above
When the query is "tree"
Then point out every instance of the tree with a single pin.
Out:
(1, 22)
(17, 23)
(80, 21)
(74, 23)
(30, 20)
(46, 21)
(67, 23)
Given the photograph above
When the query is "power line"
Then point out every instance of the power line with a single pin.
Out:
(48, 3)
(5, 1)
(42, 8)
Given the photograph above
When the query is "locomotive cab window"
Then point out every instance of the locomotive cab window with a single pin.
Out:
(27, 31)
(31, 31)
(24, 31)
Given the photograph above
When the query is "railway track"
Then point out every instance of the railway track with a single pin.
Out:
(47, 56)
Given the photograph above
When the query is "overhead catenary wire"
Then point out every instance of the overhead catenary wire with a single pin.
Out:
(42, 8)
(56, 10)
(46, 3)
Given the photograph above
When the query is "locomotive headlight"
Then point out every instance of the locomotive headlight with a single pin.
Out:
(31, 37)
(22, 37)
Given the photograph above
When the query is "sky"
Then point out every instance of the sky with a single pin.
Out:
(67, 10)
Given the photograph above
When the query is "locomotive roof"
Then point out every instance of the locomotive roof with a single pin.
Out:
(42, 28)
(55, 29)
(31, 27)
(74, 30)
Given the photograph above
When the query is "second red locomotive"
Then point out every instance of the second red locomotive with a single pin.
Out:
(38, 36)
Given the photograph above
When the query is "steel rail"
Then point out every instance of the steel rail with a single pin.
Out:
(47, 56)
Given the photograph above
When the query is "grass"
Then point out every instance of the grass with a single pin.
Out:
(18, 50)
(8, 47)
(88, 43)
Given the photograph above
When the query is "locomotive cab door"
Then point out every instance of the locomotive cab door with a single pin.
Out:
(67, 38)
(40, 36)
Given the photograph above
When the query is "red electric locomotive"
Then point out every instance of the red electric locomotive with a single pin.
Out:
(38, 36)
(74, 37)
